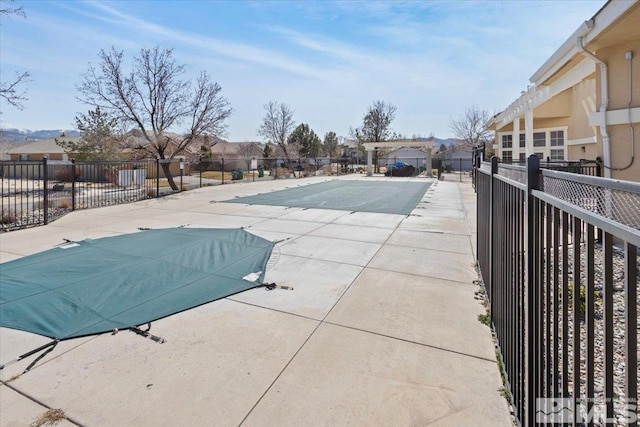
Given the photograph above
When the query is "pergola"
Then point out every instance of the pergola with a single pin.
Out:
(371, 146)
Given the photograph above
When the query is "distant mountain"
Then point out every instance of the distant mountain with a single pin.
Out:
(437, 142)
(24, 135)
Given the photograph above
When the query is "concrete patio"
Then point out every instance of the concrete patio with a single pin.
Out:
(380, 329)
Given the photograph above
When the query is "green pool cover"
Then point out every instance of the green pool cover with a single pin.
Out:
(359, 196)
(94, 286)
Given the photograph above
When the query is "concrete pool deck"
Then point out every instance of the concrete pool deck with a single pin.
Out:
(380, 329)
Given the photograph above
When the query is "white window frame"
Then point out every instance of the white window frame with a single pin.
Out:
(546, 150)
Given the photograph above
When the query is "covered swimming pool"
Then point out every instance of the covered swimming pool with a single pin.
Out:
(357, 195)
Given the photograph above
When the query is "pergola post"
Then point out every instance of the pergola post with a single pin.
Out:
(428, 165)
(370, 146)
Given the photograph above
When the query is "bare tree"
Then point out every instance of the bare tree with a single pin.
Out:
(276, 126)
(152, 98)
(376, 126)
(7, 10)
(11, 91)
(472, 127)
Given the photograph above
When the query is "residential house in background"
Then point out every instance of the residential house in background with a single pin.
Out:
(237, 150)
(584, 101)
(37, 150)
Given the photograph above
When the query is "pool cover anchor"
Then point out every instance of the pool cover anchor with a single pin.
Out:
(145, 333)
(49, 346)
(272, 286)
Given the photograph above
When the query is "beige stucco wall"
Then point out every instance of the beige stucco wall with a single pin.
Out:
(619, 74)
(620, 141)
(549, 122)
(574, 152)
(583, 104)
(618, 81)
(558, 106)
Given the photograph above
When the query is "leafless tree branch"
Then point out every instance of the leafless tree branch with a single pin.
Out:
(277, 124)
(472, 127)
(154, 100)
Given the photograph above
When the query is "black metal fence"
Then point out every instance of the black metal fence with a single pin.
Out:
(36, 192)
(582, 167)
(558, 253)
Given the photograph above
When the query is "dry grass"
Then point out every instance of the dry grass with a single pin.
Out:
(215, 175)
(49, 418)
(152, 183)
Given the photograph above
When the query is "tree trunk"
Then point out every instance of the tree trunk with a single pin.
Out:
(166, 168)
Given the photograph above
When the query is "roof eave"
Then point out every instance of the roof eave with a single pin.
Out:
(589, 30)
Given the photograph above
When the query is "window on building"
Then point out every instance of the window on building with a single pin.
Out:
(540, 156)
(507, 156)
(523, 156)
(557, 154)
(507, 141)
(23, 157)
(539, 139)
(557, 138)
(522, 140)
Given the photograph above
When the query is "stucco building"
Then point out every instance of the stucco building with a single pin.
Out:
(584, 101)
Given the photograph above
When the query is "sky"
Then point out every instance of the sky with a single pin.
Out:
(327, 60)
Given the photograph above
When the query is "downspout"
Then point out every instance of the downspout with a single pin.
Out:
(604, 100)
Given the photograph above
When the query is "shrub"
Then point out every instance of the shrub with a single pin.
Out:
(64, 204)
(309, 170)
(282, 173)
(328, 169)
(7, 216)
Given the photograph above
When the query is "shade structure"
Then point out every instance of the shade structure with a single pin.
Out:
(94, 286)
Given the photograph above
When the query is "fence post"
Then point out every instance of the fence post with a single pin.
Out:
(73, 184)
(157, 177)
(200, 167)
(531, 356)
(492, 301)
(223, 170)
(45, 192)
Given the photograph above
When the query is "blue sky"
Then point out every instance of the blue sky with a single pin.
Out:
(327, 60)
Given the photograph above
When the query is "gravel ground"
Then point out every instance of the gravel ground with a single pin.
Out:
(619, 311)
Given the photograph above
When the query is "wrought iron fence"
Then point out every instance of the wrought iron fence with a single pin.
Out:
(36, 192)
(563, 303)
